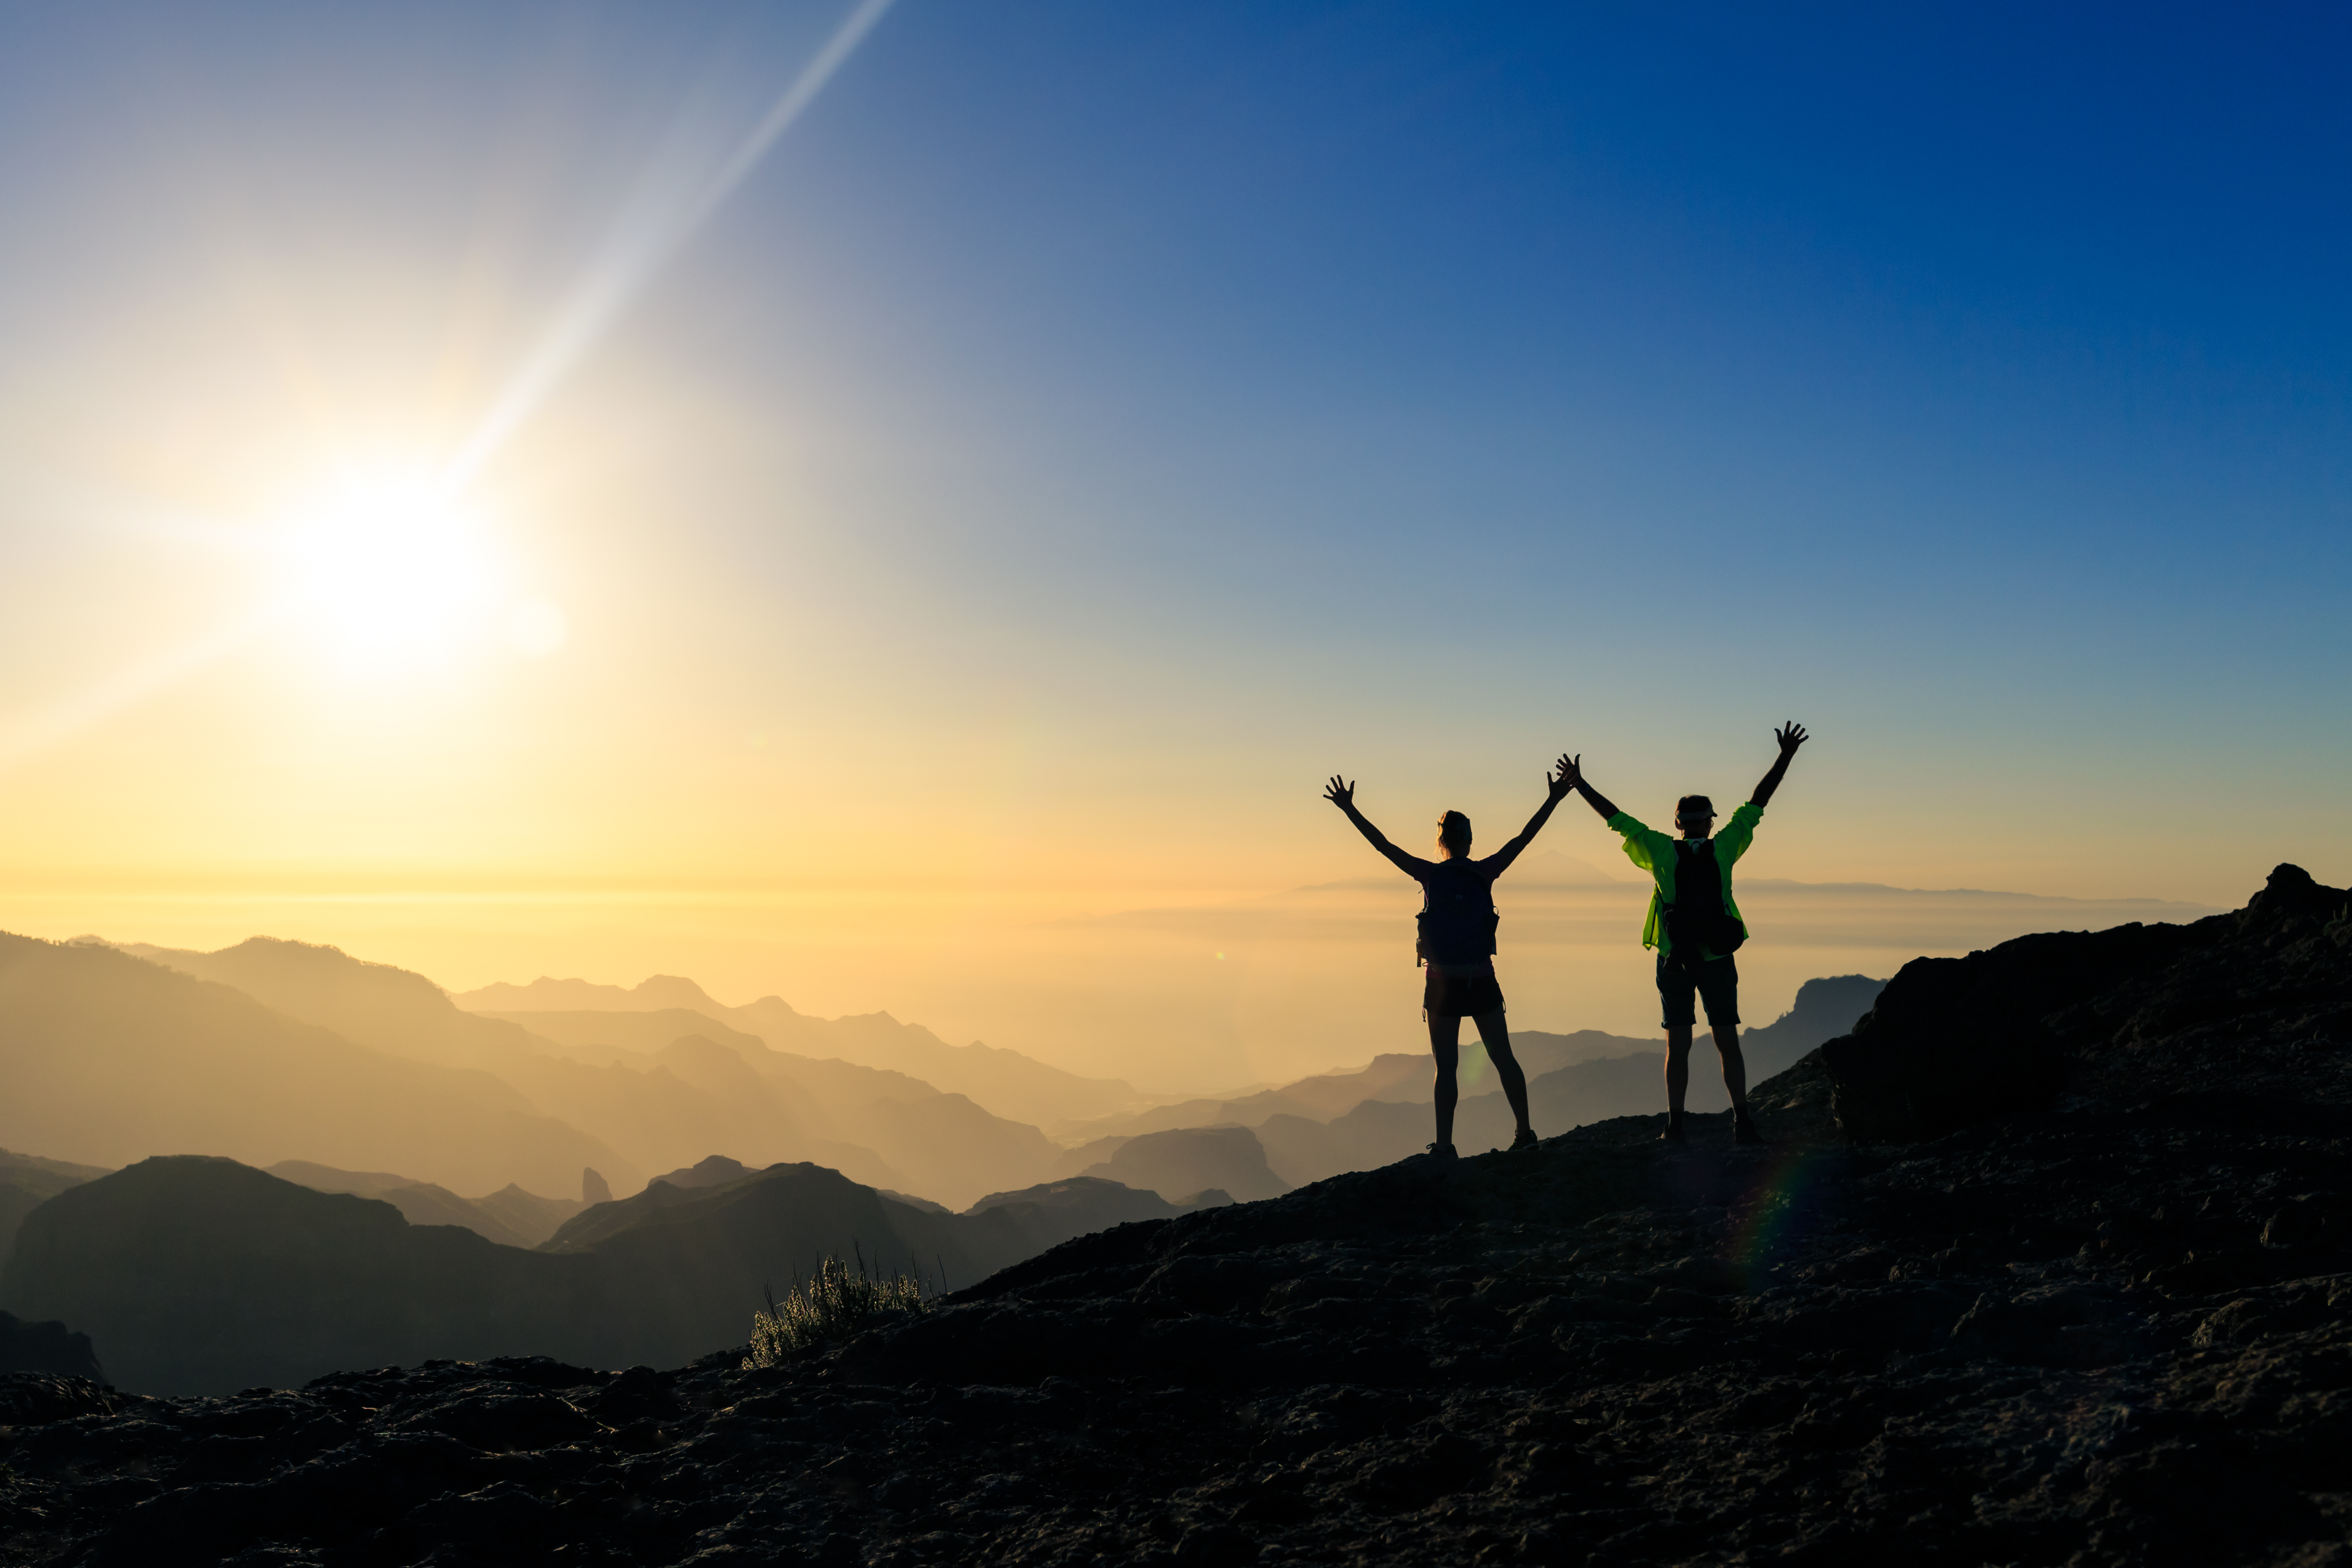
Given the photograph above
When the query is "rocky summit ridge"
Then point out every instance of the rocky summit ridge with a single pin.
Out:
(2049, 1262)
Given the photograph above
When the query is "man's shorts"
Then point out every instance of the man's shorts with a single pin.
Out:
(1716, 980)
(1460, 996)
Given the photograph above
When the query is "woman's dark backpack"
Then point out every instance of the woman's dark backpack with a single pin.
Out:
(1457, 914)
(1698, 921)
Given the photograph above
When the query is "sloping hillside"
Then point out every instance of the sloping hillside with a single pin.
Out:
(419, 1202)
(1008, 1083)
(657, 1107)
(882, 1127)
(27, 1181)
(107, 1058)
(664, 1086)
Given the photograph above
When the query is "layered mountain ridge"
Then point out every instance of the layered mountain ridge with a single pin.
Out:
(273, 1051)
(2046, 1265)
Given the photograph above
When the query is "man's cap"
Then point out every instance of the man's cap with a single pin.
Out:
(1694, 805)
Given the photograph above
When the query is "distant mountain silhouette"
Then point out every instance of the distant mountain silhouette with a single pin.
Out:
(423, 1203)
(549, 994)
(1399, 1076)
(1824, 1010)
(716, 1170)
(380, 1006)
(197, 1274)
(1106, 1203)
(651, 1079)
(1185, 1161)
(652, 1111)
(886, 1129)
(1007, 1082)
(27, 1182)
(105, 1057)
(1334, 1122)
(662, 1086)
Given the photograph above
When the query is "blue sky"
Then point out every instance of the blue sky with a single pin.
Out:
(1092, 425)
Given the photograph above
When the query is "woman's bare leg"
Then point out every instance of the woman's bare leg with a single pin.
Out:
(1498, 1035)
(1445, 1045)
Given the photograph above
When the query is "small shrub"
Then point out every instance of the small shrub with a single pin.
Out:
(832, 1305)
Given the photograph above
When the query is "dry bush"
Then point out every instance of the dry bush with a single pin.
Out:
(832, 1305)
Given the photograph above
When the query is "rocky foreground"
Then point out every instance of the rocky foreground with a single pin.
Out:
(2101, 1321)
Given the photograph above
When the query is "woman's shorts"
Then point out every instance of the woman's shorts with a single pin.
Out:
(1716, 980)
(1460, 996)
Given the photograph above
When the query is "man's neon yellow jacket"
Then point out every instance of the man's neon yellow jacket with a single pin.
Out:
(1655, 853)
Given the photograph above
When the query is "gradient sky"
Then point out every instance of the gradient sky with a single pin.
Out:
(1088, 427)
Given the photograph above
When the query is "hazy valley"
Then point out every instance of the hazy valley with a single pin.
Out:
(499, 1170)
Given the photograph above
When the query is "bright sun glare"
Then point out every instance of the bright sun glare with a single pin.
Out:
(391, 569)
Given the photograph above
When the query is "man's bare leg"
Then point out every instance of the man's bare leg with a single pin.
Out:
(1445, 1045)
(1678, 1045)
(1735, 1065)
(1496, 1035)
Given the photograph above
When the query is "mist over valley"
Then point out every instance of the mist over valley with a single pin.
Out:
(603, 1172)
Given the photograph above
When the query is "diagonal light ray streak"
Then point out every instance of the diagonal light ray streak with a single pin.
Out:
(638, 249)
(38, 731)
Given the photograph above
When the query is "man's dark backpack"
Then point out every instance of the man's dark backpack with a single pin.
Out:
(1696, 921)
(1457, 915)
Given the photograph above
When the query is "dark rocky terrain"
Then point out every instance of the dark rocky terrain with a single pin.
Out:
(2073, 1291)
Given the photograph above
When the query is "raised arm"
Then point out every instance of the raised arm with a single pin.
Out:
(1555, 788)
(1343, 795)
(1791, 737)
(1600, 803)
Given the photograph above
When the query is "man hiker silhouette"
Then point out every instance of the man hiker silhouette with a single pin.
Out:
(1457, 945)
(1696, 925)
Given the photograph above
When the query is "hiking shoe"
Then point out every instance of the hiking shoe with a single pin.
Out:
(1442, 1152)
(1526, 1140)
(1673, 1134)
(1743, 1129)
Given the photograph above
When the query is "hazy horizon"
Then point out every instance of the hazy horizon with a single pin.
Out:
(1209, 996)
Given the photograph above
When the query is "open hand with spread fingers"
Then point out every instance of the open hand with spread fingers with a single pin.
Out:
(1340, 793)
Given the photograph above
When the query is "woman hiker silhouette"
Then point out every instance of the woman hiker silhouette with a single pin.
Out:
(1457, 945)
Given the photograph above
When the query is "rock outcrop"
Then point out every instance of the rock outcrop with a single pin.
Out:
(2130, 1013)
(49, 1347)
(2110, 1329)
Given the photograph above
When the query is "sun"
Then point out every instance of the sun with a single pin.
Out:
(389, 568)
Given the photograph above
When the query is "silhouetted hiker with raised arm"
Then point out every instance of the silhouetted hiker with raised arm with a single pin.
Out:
(1457, 945)
(1696, 925)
